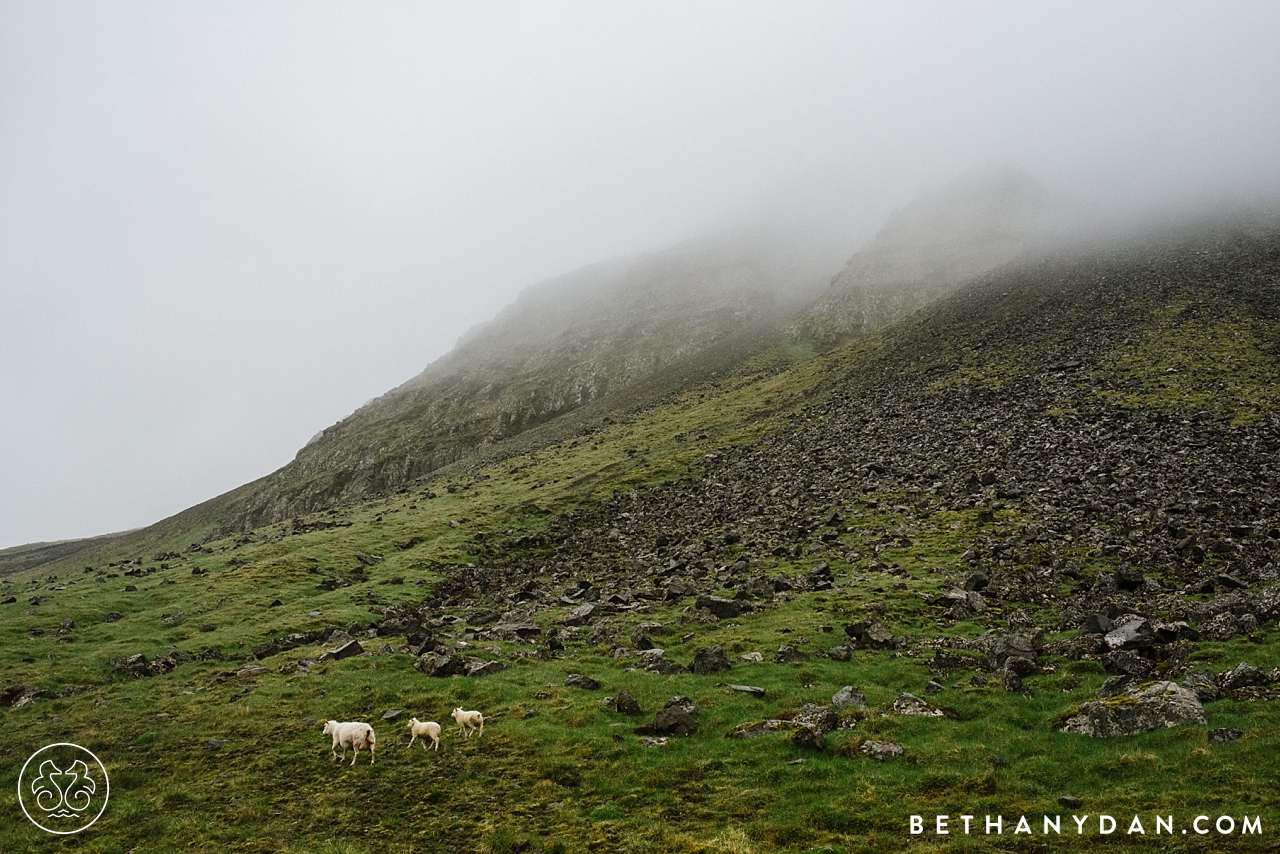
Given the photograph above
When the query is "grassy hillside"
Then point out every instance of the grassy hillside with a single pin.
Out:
(1090, 435)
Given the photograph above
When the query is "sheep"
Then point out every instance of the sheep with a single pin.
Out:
(358, 734)
(426, 729)
(468, 721)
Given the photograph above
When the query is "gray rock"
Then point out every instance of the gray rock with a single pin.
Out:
(1133, 635)
(870, 634)
(848, 696)
(1071, 802)
(481, 667)
(789, 655)
(1095, 624)
(1117, 685)
(1154, 706)
(753, 690)
(682, 702)
(839, 653)
(823, 719)
(1242, 676)
(881, 751)
(1223, 735)
(392, 714)
(910, 704)
(933, 687)
(1203, 684)
(580, 615)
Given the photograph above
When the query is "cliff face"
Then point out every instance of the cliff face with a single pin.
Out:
(563, 343)
(942, 239)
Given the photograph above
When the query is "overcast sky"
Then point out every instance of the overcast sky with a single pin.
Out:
(224, 226)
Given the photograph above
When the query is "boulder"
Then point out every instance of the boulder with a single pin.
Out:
(1095, 624)
(1153, 706)
(789, 655)
(347, 650)
(808, 738)
(1242, 676)
(910, 704)
(434, 664)
(849, 696)
(1133, 635)
(869, 634)
(709, 660)
(626, 704)
(722, 608)
(578, 680)
(881, 751)
(1203, 684)
(823, 719)
(672, 720)
(481, 667)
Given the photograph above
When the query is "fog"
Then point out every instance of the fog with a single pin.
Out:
(224, 226)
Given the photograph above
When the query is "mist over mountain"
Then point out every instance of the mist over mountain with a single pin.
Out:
(942, 238)
(563, 343)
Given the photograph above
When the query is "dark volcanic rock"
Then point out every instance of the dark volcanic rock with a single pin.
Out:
(672, 720)
(869, 633)
(434, 664)
(578, 680)
(709, 660)
(723, 608)
(808, 738)
(626, 704)
(347, 650)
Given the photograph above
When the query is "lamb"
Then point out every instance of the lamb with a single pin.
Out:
(358, 734)
(468, 721)
(426, 729)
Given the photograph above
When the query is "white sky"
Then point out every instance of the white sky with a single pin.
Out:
(224, 226)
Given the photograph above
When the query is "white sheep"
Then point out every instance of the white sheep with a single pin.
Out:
(426, 729)
(468, 721)
(358, 734)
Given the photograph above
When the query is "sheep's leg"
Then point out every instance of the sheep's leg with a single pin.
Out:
(355, 755)
(373, 753)
(424, 744)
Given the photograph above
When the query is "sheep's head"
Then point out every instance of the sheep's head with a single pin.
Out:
(328, 727)
(413, 722)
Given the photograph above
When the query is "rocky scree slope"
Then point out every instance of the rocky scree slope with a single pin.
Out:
(1038, 398)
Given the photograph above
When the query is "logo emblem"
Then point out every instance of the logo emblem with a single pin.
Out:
(63, 788)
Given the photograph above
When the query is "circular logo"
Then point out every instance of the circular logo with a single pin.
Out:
(63, 788)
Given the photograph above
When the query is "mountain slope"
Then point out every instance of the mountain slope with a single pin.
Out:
(1081, 437)
(565, 343)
